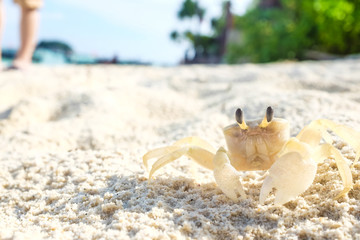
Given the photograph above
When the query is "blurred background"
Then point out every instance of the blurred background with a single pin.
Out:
(163, 32)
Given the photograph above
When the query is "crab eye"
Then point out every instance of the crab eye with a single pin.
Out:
(239, 116)
(269, 114)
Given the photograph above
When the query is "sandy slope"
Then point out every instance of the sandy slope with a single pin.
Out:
(72, 138)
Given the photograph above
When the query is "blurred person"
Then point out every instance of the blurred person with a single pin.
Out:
(28, 28)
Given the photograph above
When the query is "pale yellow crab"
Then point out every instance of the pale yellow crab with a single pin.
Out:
(265, 144)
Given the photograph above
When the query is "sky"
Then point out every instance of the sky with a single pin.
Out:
(130, 29)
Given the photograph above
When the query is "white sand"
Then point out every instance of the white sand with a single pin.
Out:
(72, 138)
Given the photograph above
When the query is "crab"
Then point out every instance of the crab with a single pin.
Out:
(265, 144)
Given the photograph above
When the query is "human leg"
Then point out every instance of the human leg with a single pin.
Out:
(28, 29)
(1, 29)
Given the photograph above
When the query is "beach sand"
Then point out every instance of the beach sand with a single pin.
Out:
(72, 140)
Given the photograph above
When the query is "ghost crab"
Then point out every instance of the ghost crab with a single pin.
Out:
(265, 144)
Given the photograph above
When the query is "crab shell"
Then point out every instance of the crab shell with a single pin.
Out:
(256, 148)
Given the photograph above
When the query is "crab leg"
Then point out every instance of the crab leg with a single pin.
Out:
(194, 147)
(346, 133)
(295, 170)
(196, 141)
(158, 152)
(198, 154)
(227, 178)
(326, 150)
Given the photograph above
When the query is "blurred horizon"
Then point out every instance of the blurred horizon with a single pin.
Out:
(161, 32)
(127, 30)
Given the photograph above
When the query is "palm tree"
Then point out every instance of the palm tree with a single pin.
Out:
(190, 9)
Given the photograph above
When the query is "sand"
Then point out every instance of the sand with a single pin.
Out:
(72, 140)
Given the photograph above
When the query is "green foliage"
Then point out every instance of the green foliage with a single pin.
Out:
(269, 35)
(56, 46)
(175, 36)
(202, 45)
(272, 34)
(190, 9)
(338, 25)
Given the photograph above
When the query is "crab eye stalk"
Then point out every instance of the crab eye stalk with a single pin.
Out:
(239, 116)
(269, 116)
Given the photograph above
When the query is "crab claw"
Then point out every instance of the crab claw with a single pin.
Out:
(290, 175)
(226, 176)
